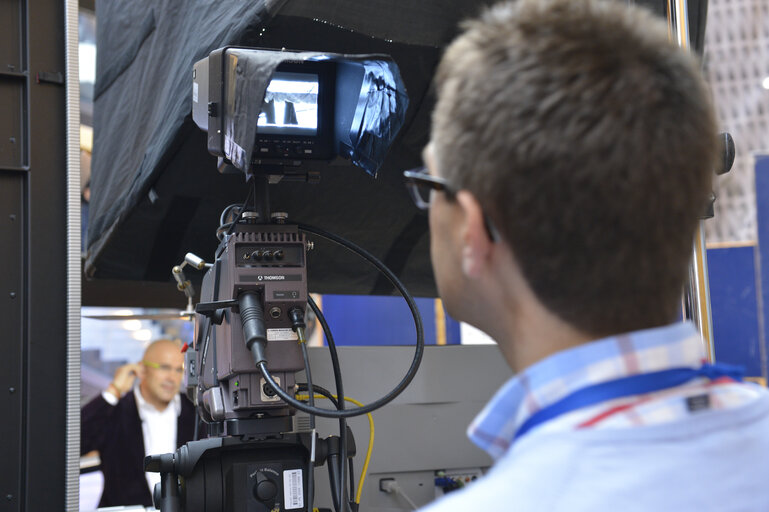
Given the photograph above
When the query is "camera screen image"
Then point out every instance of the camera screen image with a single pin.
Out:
(290, 105)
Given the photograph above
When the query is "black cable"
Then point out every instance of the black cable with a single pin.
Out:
(339, 392)
(310, 387)
(418, 352)
(204, 353)
(311, 401)
(253, 194)
(200, 372)
(225, 226)
(207, 336)
(322, 391)
(331, 347)
(212, 331)
(221, 230)
(302, 388)
(242, 209)
(225, 212)
(351, 469)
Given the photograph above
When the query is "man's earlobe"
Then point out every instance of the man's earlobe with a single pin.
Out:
(476, 244)
(470, 262)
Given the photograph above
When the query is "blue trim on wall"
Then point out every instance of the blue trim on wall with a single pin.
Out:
(377, 320)
(734, 303)
(762, 256)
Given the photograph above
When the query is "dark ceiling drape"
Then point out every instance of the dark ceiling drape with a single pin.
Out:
(155, 191)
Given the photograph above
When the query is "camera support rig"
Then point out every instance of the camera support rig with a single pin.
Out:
(253, 299)
(231, 473)
(249, 339)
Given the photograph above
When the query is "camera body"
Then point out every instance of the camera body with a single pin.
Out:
(269, 260)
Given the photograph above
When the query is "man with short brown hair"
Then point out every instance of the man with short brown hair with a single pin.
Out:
(126, 423)
(570, 160)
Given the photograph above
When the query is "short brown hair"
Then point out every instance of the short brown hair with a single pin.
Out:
(589, 139)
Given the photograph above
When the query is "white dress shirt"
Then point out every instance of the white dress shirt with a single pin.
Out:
(158, 429)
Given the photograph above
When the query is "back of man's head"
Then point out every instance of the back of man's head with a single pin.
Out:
(589, 139)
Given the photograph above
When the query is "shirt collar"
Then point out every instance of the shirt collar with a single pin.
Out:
(145, 408)
(562, 373)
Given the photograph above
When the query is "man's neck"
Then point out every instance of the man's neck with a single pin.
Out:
(536, 334)
(525, 330)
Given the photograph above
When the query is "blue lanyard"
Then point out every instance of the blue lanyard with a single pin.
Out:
(628, 386)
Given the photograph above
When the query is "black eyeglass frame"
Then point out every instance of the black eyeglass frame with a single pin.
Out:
(421, 176)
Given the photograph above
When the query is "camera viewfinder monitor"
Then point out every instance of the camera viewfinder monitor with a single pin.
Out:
(290, 105)
(296, 116)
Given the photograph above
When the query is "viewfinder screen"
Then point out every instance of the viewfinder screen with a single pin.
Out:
(290, 105)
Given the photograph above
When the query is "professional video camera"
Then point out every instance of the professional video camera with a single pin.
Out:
(269, 114)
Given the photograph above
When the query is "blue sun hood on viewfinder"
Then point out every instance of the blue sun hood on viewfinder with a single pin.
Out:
(271, 109)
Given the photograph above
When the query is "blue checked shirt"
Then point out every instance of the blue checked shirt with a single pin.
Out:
(549, 380)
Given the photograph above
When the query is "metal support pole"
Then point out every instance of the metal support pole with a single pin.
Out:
(72, 86)
(697, 293)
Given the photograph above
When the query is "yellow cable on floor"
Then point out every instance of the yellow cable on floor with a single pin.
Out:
(370, 440)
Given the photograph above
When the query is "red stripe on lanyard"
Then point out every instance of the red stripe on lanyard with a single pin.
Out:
(621, 408)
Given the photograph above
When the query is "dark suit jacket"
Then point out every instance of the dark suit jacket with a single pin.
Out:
(116, 432)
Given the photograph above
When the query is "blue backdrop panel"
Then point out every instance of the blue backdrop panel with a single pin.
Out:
(734, 303)
(376, 320)
(762, 255)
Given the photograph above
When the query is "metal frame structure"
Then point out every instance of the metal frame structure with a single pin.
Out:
(74, 272)
(697, 293)
(36, 443)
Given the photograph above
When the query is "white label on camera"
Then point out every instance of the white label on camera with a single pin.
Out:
(195, 92)
(281, 335)
(293, 491)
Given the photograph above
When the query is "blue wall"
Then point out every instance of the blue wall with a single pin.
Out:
(734, 289)
(376, 320)
(734, 303)
(739, 290)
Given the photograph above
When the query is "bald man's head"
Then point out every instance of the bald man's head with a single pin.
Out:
(163, 369)
(160, 346)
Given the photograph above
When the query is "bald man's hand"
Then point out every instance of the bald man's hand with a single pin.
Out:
(124, 379)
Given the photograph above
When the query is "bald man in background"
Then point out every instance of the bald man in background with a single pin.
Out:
(127, 422)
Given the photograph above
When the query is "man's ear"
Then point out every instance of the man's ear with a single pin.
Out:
(476, 245)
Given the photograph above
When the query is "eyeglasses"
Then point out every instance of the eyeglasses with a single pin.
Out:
(420, 184)
(165, 368)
